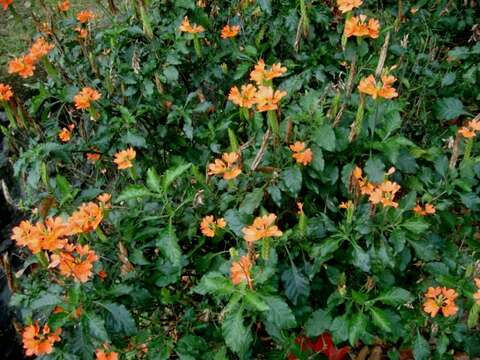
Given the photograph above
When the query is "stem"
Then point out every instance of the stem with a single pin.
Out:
(196, 44)
(468, 149)
(273, 123)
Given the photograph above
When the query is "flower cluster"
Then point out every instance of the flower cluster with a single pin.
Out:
(83, 100)
(63, 6)
(38, 341)
(357, 26)
(375, 89)
(228, 166)
(427, 209)
(262, 227)
(440, 299)
(185, 26)
(5, 3)
(230, 31)
(75, 261)
(124, 158)
(383, 193)
(301, 154)
(84, 18)
(66, 133)
(240, 271)
(26, 64)
(470, 131)
(6, 92)
(209, 225)
(348, 5)
(263, 95)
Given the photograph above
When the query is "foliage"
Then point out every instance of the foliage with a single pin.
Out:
(333, 205)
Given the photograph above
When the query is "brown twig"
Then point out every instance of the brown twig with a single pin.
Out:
(261, 152)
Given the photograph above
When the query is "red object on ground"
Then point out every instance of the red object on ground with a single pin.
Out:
(322, 344)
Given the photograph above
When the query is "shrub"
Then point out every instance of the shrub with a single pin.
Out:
(247, 179)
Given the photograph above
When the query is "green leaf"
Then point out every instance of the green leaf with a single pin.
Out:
(324, 136)
(153, 181)
(296, 284)
(416, 225)
(237, 336)
(251, 201)
(96, 327)
(133, 192)
(171, 74)
(172, 174)
(120, 318)
(266, 6)
(318, 323)
(356, 328)
(292, 180)
(375, 170)
(380, 319)
(214, 283)
(361, 259)
(47, 299)
(168, 244)
(395, 296)
(473, 316)
(421, 348)
(448, 79)
(449, 108)
(279, 313)
(255, 300)
(339, 329)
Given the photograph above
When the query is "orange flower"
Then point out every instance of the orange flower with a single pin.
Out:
(385, 194)
(357, 26)
(93, 157)
(346, 205)
(85, 219)
(82, 33)
(229, 31)
(244, 98)
(85, 97)
(25, 234)
(104, 198)
(261, 228)
(267, 99)
(75, 261)
(227, 166)
(5, 3)
(240, 271)
(65, 135)
(476, 296)
(51, 234)
(429, 209)
(23, 66)
(85, 16)
(40, 48)
(39, 343)
(300, 208)
(300, 154)
(474, 125)
(348, 5)
(208, 226)
(440, 299)
(259, 74)
(470, 131)
(124, 158)
(384, 89)
(186, 27)
(63, 6)
(104, 355)
(6, 92)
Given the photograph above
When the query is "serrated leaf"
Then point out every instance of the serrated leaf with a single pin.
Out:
(167, 242)
(133, 192)
(296, 284)
(375, 170)
(96, 326)
(324, 137)
(154, 181)
(380, 319)
(339, 329)
(356, 328)
(395, 296)
(292, 180)
(449, 108)
(255, 301)
(237, 336)
(120, 318)
(251, 201)
(47, 299)
(172, 174)
(214, 283)
(318, 323)
(266, 6)
(279, 313)
(416, 225)
(421, 348)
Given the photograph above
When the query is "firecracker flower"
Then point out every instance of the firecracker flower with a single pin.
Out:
(185, 26)
(262, 227)
(348, 5)
(86, 219)
(49, 235)
(266, 99)
(104, 200)
(240, 271)
(382, 88)
(261, 75)
(105, 354)
(230, 31)
(470, 130)
(6, 92)
(124, 158)
(63, 6)
(301, 154)
(209, 225)
(83, 100)
(227, 166)
(40, 48)
(427, 209)
(5, 3)
(440, 299)
(245, 97)
(385, 194)
(39, 342)
(65, 135)
(476, 296)
(359, 27)
(23, 66)
(75, 261)
(85, 16)
(82, 33)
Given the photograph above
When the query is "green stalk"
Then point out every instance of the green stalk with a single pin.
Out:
(196, 44)
(9, 112)
(468, 149)
(147, 26)
(357, 124)
(265, 248)
(273, 123)
(51, 71)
